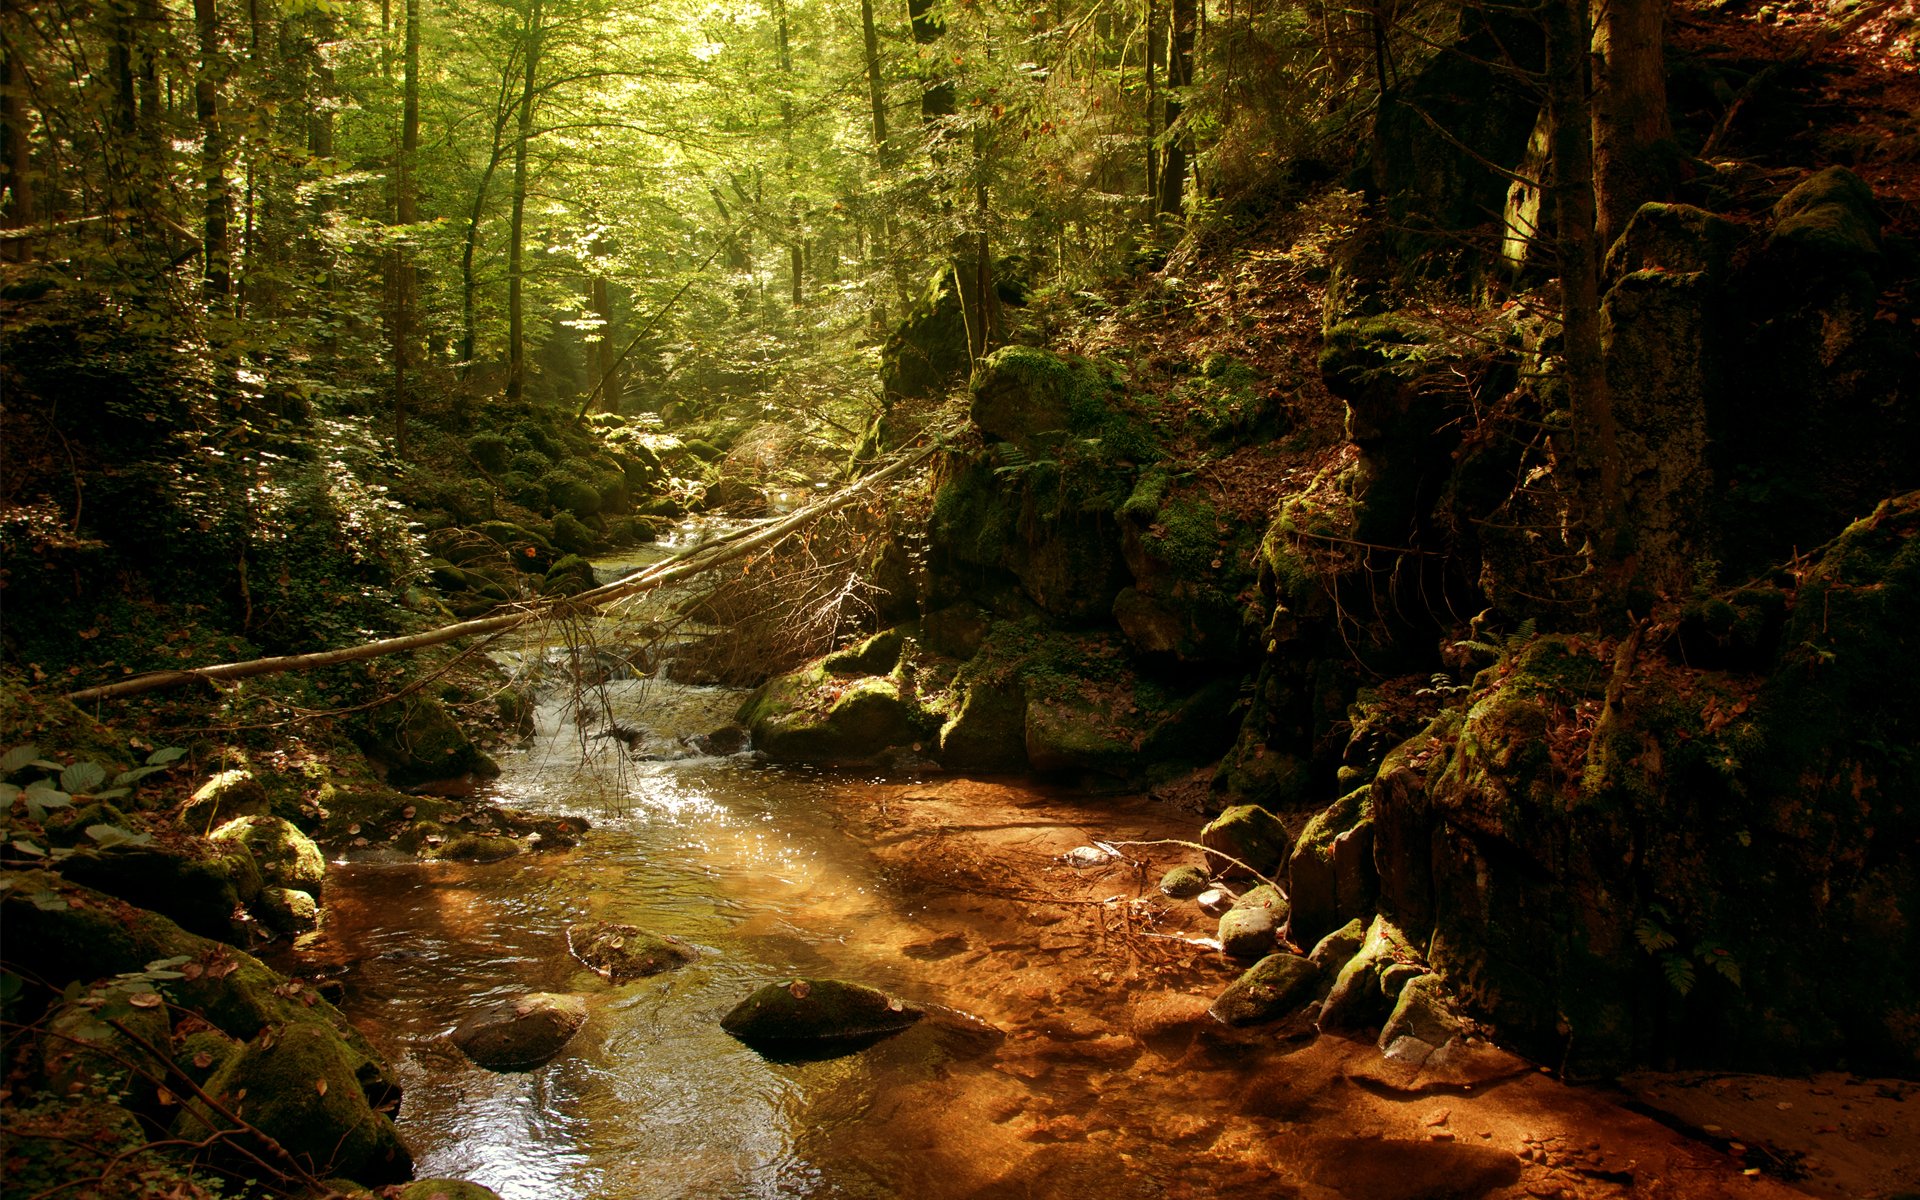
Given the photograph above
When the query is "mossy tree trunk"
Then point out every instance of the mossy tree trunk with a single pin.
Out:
(516, 236)
(1594, 436)
(1632, 137)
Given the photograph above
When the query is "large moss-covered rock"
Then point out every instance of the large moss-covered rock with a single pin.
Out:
(299, 1088)
(419, 742)
(811, 716)
(227, 795)
(1330, 875)
(986, 730)
(521, 1033)
(927, 352)
(1248, 931)
(1728, 878)
(626, 952)
(1830, 215)
(1369, 983)
(446, 1189)
(60, 932)
(288, 910)
(195, 883)
(814, 1010)
(80, 1052)
(286, 857)
(1246, 838)
(1274, 986)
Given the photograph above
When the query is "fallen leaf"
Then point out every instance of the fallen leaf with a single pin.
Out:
(203, 1060)
(320, 1085)
(145, 1000)
(799, 988)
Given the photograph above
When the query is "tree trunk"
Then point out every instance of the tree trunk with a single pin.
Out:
(516, 237)
(937, 96)
(16, 145)
(406, 212)
(606, 365)
(502, 113)
(1595, 447)
(217, 278)
(1173, 171)
(1632, 138)
(1154, 51)
(876, 86)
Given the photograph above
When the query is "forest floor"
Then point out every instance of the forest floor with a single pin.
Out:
(1102, 985)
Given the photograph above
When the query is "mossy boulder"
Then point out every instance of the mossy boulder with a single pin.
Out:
(816, 1010)
(572, 536)
(446, 1189)
(526, 549)
(810, 716)
(927, 352)
(200, 1053)
(299, 1088)
(1023, 394)
(287, 910)
(287, 857)
(1674, 237)
(521, 1033)
(876, 655)
(229, 794)
(1369, 983)
(1829, 216)
(1334, 950)
(81, 1052)
(1248, 932)
(197, 884)
(627, 952)
(57, 1148)
(1273, 987)
(1246, 838)
(418, 741)
(1330, 874)
(479, 847)
(986, 729)
(1423, 1012)
(1183, 883)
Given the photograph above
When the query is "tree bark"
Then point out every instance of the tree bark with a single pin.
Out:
(1154, 51)
(1595, 451)
(605, 366)
(502, 113)
(1632, 137)
(516, 259)
(876, 86)
(16, 145)
(217, 277)
(406, 212)
(1173, 171)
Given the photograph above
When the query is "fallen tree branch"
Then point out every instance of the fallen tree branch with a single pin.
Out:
(688, 563)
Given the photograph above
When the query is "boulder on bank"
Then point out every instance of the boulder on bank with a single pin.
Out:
(229, 794)
(418, 741)
(286, 857)
(287, 910)
(1246, 838)
(813, 716)
(299, 1087)
(197, 885)
(625, 952)
(1422, 1012)
(521, 1033)
(1248, 932)
(817, 1010)
(1274, 986)
(1368, 986)
(446, 1189)
(1183, 883)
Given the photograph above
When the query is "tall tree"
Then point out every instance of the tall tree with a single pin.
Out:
(406, 213)
(1179, 139)
(1632, 136)
(533, 37)
(216, 201)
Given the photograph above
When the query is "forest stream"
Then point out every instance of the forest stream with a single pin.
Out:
(1067, 1051)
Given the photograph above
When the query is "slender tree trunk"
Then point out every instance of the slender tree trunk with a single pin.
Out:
(1154, 50)
(406, 212)
(606, 365)
(1595, 436)
(469, 287)
(516, 237)
(1632, 137)
(1173, 172)
(16, 144)
(216, 203)
(876, 85)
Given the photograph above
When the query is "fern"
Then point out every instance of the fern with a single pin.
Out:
(1653, 936)
(1679, 971)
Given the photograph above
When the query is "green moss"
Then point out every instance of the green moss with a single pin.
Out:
(286, 856)
(1329, 823)
(1143, 503)
(816, 1009)
(1187, 536)
(301, 1090)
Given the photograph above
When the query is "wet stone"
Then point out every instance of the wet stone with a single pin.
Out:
(625, 952)
(808, 1010)
(521, 1033)
(1183, 883)
(1248, 932)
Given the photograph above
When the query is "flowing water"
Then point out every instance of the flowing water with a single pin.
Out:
(772, 873)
